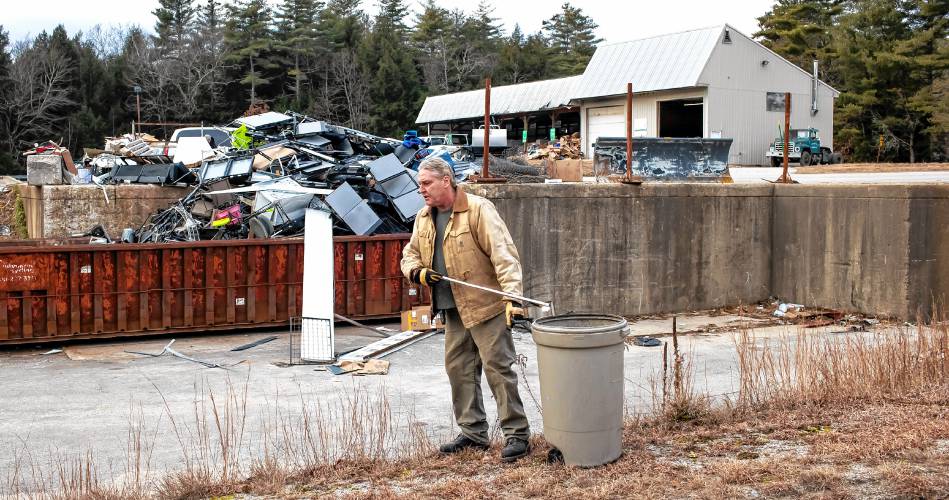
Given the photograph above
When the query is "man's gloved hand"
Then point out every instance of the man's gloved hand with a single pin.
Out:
(512, 312)
(424, 276)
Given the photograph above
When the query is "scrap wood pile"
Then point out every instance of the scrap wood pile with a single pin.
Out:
(568, 147)
(257, 177)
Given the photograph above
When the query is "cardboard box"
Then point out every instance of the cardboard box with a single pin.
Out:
(565, 170)
(586, 168)
(419, 319)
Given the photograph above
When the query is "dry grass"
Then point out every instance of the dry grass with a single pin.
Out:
(892, 365)
(852, 416)
(853, 168)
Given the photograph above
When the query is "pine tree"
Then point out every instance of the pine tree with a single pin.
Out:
(510, 67)
(343, 24)
(209, 16)
(801, 31)
(485, 26)
(523, 59)
(536, 59)
(478, 40)
(7, 154)
(928, 50)
(248, 38)
(299, 37)
(885, 64)
(572, 39)
(387, 61)
(175, 18)
(433, 38)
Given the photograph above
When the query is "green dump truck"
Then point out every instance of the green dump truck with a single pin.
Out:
(805, 149)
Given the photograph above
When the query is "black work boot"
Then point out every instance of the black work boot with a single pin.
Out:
(514, 448)
(461, 443)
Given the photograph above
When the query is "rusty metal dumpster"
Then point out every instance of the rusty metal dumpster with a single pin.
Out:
(53, 292)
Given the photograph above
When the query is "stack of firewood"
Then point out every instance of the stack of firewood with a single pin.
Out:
(568, 147)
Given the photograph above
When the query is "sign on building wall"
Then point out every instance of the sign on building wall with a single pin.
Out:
(639, 127)
(775, 101)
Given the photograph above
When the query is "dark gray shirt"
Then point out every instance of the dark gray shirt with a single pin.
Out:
(442, 298)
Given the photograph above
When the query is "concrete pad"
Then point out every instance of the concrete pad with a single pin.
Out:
(53, 404)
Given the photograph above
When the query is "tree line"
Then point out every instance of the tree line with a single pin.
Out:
(208, 62)
(889, 59)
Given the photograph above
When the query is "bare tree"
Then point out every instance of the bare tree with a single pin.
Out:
(435, 64)
(353, 87)
(34, 109)
(179, 82)
(342, 95)
(107, 41)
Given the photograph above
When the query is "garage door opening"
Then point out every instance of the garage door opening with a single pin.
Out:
(681, 118)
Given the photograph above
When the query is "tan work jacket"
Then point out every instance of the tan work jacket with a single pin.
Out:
(478, 249)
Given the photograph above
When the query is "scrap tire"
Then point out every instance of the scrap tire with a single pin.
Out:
(805, 158)
(836, 158)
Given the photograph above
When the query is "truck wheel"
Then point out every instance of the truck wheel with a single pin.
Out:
(776, 162)
(836, 158)
(805, 158)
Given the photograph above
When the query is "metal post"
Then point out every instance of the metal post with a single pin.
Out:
(785, 177)
(487, 127)
(629, 179)
(485, 172)
(629, 130)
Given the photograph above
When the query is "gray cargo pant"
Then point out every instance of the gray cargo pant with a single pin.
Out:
(489, 347)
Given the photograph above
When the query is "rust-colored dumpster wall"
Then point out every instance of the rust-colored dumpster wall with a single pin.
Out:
(81, 291)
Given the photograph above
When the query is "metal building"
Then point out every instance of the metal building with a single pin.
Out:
(709, 82)
(536, 107)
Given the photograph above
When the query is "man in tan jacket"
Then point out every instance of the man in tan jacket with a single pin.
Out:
(462, 236)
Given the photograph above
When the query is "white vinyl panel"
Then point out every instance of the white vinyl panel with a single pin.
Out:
(317, 334)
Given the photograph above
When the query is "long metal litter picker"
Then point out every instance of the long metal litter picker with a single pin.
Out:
(544, 306)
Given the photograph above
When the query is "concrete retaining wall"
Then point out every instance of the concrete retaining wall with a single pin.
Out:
(58, 211)
(880, 249)
(639, 250)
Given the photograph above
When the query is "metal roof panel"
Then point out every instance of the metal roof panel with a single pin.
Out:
(505, 100)
(657, 63)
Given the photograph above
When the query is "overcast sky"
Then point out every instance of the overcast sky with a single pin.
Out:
(619, 20)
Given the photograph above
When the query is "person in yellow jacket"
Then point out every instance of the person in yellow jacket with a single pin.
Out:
(462, 236)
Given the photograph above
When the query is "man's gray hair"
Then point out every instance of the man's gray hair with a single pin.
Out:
(439, 167)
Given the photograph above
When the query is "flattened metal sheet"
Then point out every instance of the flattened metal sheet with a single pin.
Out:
(386, 167)
(264, 120)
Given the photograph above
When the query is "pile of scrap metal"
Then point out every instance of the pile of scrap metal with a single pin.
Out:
(414, 149)
(279, 165)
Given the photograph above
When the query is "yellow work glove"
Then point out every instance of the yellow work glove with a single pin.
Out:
(425, 276)
(512, 312)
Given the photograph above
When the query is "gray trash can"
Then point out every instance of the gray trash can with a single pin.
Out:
(580, 359)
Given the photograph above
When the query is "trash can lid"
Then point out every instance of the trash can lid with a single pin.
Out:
(580, 331)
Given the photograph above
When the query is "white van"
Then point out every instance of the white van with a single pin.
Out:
(219, 136)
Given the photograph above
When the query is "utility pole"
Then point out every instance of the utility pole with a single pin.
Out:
(138, 106)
